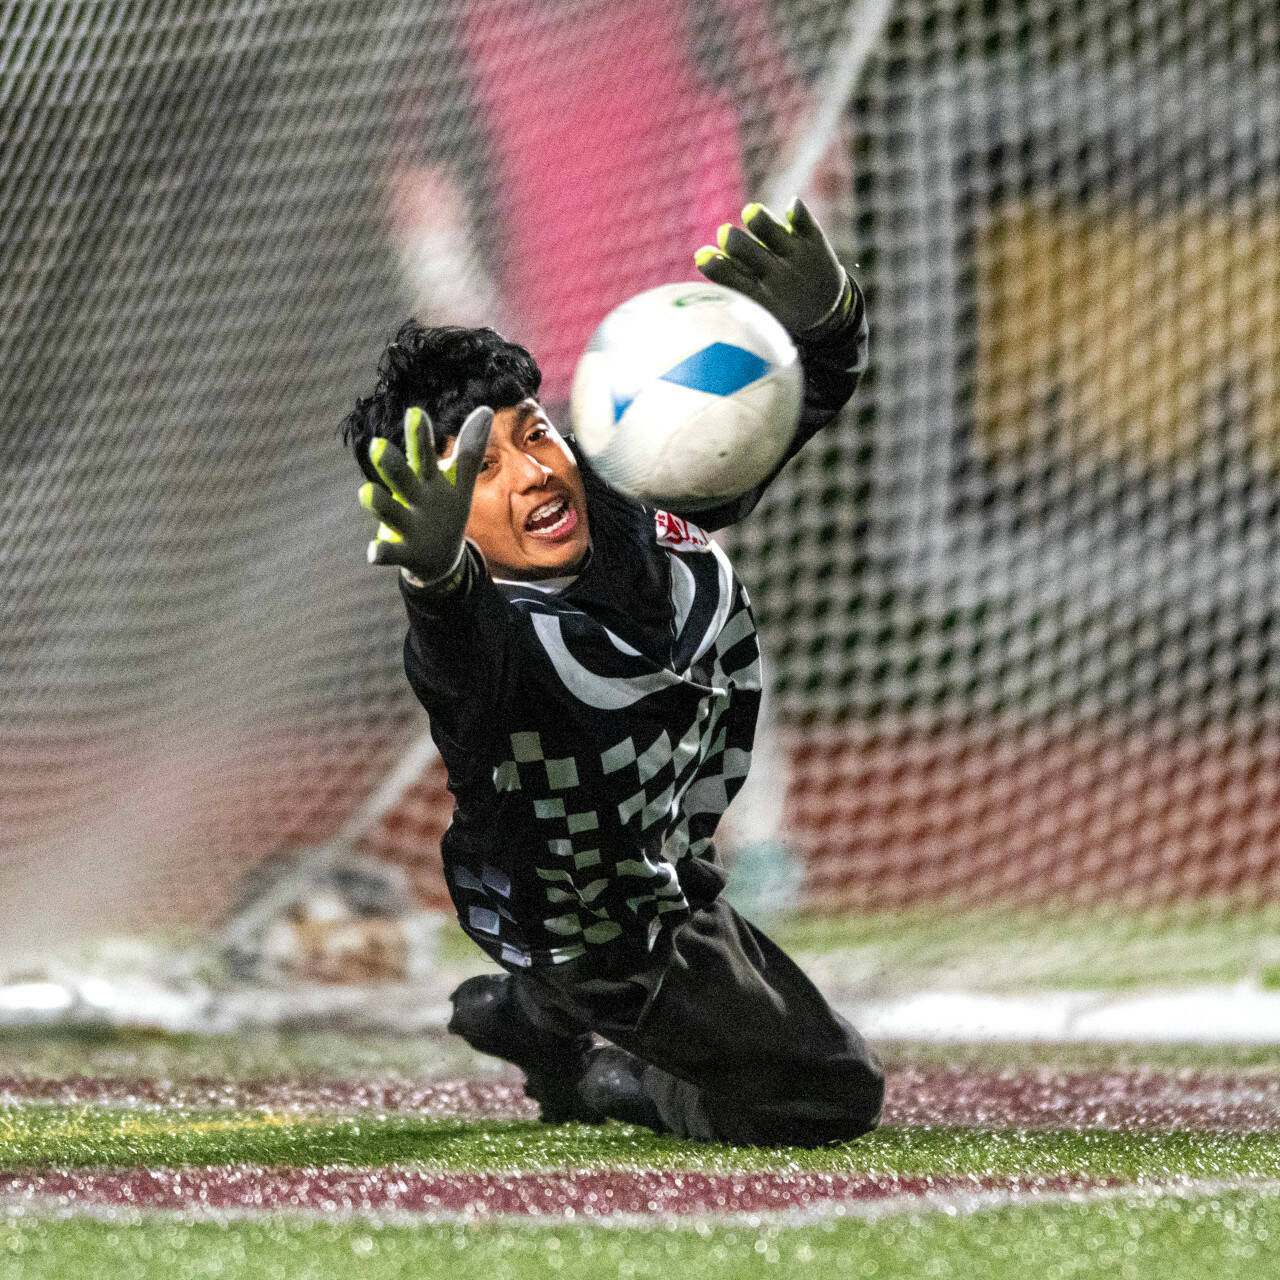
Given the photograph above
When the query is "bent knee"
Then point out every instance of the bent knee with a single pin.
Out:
(865, 1097)
(847, 1107)
(854, 1105)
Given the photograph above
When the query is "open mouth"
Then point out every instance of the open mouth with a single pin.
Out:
(553, 519)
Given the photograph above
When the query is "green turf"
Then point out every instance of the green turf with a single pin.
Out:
(257, 1055)
(1257, 1060)
(1003, 948)
(1235, 1235)
(54, 1053)
(38, 1136)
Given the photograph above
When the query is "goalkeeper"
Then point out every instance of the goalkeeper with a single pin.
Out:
(592, 674)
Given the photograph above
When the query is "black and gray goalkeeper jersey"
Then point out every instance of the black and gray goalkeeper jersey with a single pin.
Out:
(594, 731)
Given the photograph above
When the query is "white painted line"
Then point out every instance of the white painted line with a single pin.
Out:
(1242, 1014)
(962, 1016)
(1233, 1015)
(39, 1208)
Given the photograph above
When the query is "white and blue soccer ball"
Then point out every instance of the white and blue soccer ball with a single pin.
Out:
(687, 395)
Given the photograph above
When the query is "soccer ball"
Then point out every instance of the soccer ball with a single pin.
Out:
(687, 395)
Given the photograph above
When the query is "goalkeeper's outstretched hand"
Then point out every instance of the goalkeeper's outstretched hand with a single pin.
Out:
(788, 266)
(424, 507)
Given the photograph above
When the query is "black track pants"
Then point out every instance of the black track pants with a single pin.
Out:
(741, 1047)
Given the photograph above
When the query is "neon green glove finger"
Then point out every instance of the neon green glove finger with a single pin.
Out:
(386, 551)
(796, 272)
(722, 270)
(766, 228)
(743, 248)
(378, 502)
(394, 470)
(413, 420)
(802, 222)
(469, 448)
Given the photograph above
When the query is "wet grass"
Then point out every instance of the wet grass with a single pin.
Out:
(40, 1136)
(1236, 1235)
(1113, 947)
(121, 1053)
(1126, 1237)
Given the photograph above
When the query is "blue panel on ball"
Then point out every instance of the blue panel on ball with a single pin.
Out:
(719, 369)
(621, 403)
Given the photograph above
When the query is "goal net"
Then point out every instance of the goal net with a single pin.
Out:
(1019, 604)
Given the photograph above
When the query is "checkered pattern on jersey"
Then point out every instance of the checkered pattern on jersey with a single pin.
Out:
(638, 781)
(733, 662)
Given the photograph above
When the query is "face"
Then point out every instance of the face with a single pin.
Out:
(529, 510)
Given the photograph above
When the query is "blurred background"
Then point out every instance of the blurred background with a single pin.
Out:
(1019, 605)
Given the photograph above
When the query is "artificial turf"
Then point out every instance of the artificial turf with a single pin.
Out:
(1002, 948)
(1114, 1233)
(123, 1053)
(1233, 1235)
(41, 1136)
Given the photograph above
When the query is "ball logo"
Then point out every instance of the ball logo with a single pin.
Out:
(702, 295)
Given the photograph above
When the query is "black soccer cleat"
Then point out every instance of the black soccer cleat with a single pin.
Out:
(613, 1085)
(489, 1020)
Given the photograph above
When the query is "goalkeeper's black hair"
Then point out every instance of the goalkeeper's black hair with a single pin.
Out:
(446, 371)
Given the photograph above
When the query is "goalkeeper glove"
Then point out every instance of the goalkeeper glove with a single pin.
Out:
(423, 509)
(788, 267)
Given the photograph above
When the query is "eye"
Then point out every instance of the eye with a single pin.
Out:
(536, 435)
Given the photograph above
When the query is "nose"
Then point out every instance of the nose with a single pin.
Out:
(533, 474)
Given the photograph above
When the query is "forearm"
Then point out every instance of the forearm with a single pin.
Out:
(455, 652)
(833, 366)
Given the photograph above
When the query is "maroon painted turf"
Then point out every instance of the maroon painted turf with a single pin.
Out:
(916, 1096)
(586, 1194)
(1048, 1098)
(1045, 1098)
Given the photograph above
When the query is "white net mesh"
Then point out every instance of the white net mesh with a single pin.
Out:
(1019, 602)
(1038, 650)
